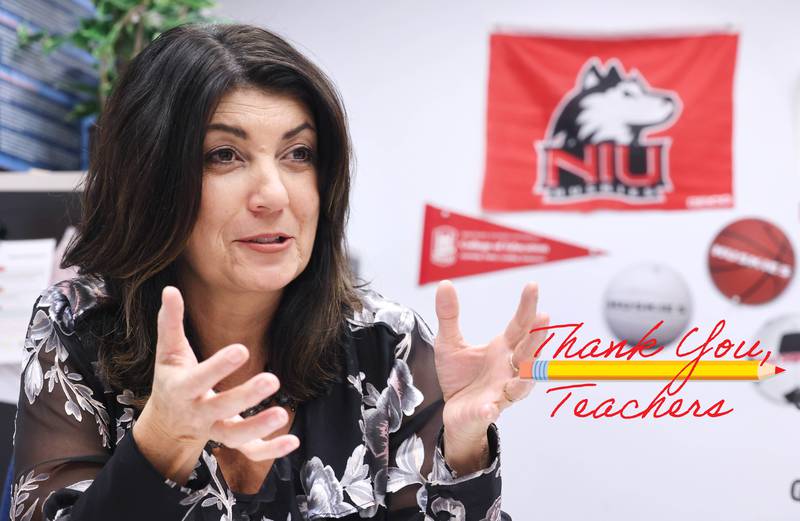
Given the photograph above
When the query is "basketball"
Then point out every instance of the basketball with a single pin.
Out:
(751, 261)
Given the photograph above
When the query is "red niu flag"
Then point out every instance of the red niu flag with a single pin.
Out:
(609, 123)
(455, 245)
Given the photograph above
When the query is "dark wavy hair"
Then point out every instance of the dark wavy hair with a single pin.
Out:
(142, 195)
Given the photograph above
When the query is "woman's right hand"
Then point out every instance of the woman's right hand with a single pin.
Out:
(184, 412)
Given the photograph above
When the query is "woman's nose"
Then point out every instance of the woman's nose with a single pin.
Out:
(269, 191)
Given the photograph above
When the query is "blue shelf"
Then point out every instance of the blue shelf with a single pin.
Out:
(37, 91)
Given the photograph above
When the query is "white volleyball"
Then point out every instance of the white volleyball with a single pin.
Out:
(644, 294)
(781, 336)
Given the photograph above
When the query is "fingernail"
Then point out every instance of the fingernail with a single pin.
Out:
(235, 355)
(266, 382)
(277, 420)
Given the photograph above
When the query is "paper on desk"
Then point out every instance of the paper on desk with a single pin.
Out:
(25, 270)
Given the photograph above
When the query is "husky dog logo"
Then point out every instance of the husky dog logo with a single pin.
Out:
(596, 144)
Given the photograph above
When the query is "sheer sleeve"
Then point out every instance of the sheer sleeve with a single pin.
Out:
(416, 448)
(67, 466)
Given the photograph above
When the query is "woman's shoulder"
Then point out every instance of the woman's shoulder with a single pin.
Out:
(57, 363)
(67, 302)
(379, 310)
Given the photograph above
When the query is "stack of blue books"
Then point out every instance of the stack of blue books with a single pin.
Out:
(38, 90)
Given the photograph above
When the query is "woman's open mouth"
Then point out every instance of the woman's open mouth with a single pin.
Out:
(271, 240)
(267, 244)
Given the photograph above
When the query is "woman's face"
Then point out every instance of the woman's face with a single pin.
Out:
(260, 204)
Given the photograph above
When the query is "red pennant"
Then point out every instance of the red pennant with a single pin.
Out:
(454, 245)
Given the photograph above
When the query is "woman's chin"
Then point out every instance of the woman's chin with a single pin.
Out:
(267, 279)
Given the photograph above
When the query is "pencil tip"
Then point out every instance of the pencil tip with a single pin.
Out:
(779, 369)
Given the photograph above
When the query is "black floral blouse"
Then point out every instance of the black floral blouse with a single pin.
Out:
(370, 448)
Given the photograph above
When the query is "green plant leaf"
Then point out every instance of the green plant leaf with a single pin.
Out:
(50, 43)
(81, 110)
(110, 36)
(197, 4)
(124, 5)
(23, 34)
(26, 38)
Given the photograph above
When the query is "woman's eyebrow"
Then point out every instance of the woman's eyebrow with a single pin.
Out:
(292, 133)
(236, 131)
(240, 133)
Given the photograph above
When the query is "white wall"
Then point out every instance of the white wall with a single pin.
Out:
(413, 76)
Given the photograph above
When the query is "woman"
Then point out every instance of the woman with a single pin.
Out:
(214, 359)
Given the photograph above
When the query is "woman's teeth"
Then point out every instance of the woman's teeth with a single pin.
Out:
(267, 241)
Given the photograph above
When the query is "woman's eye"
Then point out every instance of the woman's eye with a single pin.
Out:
(222, 155)
(302, 154)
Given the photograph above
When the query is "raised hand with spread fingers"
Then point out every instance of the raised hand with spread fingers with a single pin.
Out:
(184, 412)
(479, 381)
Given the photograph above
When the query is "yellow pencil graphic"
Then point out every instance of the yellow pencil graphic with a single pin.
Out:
(542, 370)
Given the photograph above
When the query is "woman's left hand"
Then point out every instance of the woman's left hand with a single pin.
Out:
(478, 382)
